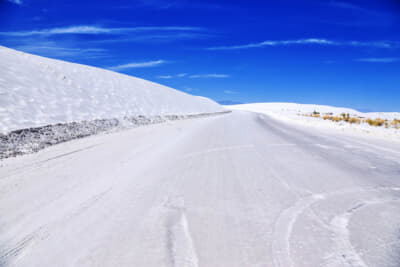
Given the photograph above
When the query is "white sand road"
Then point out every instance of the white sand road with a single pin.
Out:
(240, 189)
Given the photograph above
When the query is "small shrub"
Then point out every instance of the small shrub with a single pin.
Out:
(376, 122)
(337, 118)
(346, 117)
(395, 122)
(354, 120)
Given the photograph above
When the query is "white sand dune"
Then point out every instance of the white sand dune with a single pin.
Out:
(36, 91)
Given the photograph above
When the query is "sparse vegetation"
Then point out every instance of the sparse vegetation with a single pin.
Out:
(346, 117)
(375, 122)
(337, 119)
(354, 120)
(395, 123)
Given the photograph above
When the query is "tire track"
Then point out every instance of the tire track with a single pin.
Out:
(345, 254)
(283, 228)
(180, 247)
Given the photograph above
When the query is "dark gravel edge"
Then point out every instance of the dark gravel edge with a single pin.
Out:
(30, 140)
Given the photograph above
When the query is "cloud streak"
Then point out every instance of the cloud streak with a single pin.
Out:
(345, 5)
(132, 65)
(96, 30)
(17, 2)
(353, 7)
(53, 49)
(180, 75)
(379, 60)
(209, 76)
(165, 77)
(165, 4)
(309, 41)
(194, 76)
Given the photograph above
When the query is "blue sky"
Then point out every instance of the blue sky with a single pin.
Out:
(342, 53)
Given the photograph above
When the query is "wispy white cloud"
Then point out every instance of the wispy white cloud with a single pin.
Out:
(189, 89)
(209, 76)
(379, 60)
(377, 44)
(230, 92)
(165, 77)
(18, 2)
(53, 49)
(180, 75)
(275, 43)
(346, 5)
(193, 76)
(95, 30)
(155, 37)
(360, 14)
(309, 41)
(176, 4)
(132, 65)
(353, 7)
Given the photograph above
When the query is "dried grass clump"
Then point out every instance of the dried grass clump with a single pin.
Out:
(346, 117)
(396, 123)
(375, 122)
(354, 120)
(337, 119)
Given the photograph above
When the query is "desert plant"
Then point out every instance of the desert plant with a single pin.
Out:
(354, 120)
(395, 123)
(375, 122)
(337, 118)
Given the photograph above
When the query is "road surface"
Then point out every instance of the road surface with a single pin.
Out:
(239, 189)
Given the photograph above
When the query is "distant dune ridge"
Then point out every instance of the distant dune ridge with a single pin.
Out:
(313, 116)
(290, 108)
